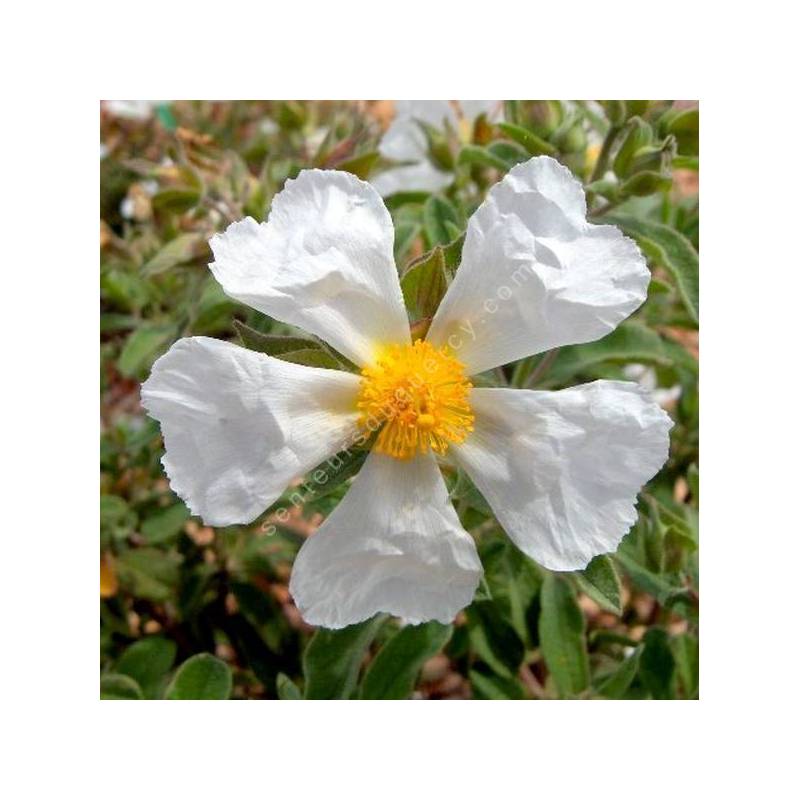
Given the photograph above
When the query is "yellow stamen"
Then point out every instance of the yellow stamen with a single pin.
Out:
(419, 394)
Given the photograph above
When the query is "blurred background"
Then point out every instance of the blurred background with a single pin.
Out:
(189, 611)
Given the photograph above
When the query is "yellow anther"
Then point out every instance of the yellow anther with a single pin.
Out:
(418, 396)
(426, 421)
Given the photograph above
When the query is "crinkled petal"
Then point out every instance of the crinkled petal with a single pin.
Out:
(393, 544)
(561, 470)
(535, 274)
(239, 426)
(324, 261)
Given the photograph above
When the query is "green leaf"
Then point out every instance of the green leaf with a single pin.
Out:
(645, 183)
(176, 200)
(638, 134)
(495, 687)
(617, 683)
(671, 250)
(287, 688)
(404, 235)
(600, 581)
(685, 650)
(117, 519)
(514, 582)
(163, 526)
(562, 636)
(424, 284)
(149, 573)
(182, 249)
(473, 154)
(333, 658)
(201, 677)
(630, 342)
(657, 665)
(686, 162)
(313, 358)
(494, 639)
(529, 140)
(360, 166)
(328, 477)
(646, 581)
(297, 349)
(452, 254)
(436, 212)
(686, 127)
(142, 347)
(147, 662)
(119, 687)
(393, 673)
(509, 152)
(273, 344)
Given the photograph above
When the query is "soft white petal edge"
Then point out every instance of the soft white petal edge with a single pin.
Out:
(394, 544)
(561, 470)
(323, 261)
(535, 274)
(420, 177)
(238, 426)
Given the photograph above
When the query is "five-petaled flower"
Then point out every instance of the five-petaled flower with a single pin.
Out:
(561, 469)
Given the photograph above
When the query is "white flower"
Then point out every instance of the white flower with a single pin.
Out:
(405, 141)
(139, 110)
(646, 376)
(560, 469)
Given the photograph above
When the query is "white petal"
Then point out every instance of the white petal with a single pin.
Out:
(534, 274)
(420, 177)
(239, 426)
(561, 470)
(405, 140)
(393, 544)
(323, 261)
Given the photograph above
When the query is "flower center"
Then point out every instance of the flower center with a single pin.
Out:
(419, 395)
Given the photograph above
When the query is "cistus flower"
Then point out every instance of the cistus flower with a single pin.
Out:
(560, 469)
(405, 141)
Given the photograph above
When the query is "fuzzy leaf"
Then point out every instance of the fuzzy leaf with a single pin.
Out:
(670, 249)
(142, 347)
(119, 687)
(182, 249)
(657, 665)
(393, 673)
(149, 573)
(286, 688)
(562, 635)
(147, 662)
(424, 284)
(528, 139)
(163, 526)
(600, 581)
(333, 658)
(616, 684)
(436, 212)
(201, 677)
(494, 639)
(514, 582)
(630, 342)
(494, 687)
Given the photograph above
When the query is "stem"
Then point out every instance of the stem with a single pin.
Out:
(542, 367)
(605, 209)
(605, 153)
